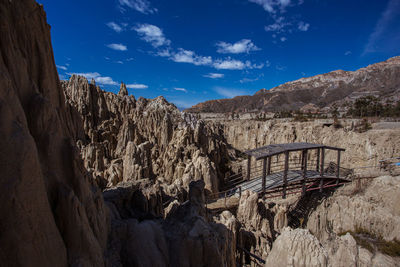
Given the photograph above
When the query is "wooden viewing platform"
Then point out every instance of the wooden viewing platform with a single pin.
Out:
(303, 169)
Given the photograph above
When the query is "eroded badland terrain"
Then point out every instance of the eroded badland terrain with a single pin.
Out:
(92, 178)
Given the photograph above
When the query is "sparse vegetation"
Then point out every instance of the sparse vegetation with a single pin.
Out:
(372, 242)
(370, 106)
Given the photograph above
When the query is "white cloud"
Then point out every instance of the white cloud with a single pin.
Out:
(242, 46)
(278, 26)
(272, 5)
(105, 80)
(388, 17)
(214, 75)
(283, 39)
(233, 64)
(115, 27)
(61, 67)
(119, 47)
(152, 34)
(137, 86)
(229, 92)
(142, 6)
(119, 62)
(180, 89)
(267, 63)
(302, 26)
(347, 53)
(130, 59)
(187, 56)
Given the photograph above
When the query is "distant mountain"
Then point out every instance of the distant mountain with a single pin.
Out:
(381, 80)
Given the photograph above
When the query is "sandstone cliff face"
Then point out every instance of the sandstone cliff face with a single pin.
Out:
(362, 149)
(53, 215)
(129, 139)
(380, 79)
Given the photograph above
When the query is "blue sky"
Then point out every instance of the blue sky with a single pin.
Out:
(192, 51)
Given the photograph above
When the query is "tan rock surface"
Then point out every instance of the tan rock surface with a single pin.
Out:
(52, 214)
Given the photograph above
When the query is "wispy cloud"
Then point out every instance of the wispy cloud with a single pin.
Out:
(183, 103)
(229, 92)
(388, 17)
(137, 86)
(180, 89)
(347, 53)
(129, 59)
(279, 25)
(283, 39)
(61, 67)
(280, 67)
(302, 26)
(214, 75)
(118, 47)
(143, 6)
(105, 80)
(152, 34)
(116, 27)
(242, 46)
(272, 6)
(233, 64)
(248, 80)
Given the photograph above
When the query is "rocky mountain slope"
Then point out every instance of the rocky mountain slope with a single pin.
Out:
(381, 79)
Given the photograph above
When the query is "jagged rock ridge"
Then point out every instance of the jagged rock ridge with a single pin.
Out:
(128, 139)
(381, 79)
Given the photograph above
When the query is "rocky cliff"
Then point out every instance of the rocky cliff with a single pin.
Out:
(53, 214)
(60, 143)
(128, 139)
(381, 79)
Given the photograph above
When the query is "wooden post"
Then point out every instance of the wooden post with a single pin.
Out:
(248, 167)
(321, 171)
(240, 191)
(285, 173)
(338, 167)
(264, 174)
(318, 153)
(269, 165)
(304, 171)
(225, 200)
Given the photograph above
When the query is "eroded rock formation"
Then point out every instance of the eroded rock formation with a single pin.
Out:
(53, 215)
(129, 139)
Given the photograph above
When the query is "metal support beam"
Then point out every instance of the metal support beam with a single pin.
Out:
(338, 167)
(264, 174)
(318, 153)
(321, 171)
(248, 167)
(285, 173)
(304, 155)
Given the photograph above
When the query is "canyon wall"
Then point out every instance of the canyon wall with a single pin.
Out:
(52, 212)
(362, 149)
